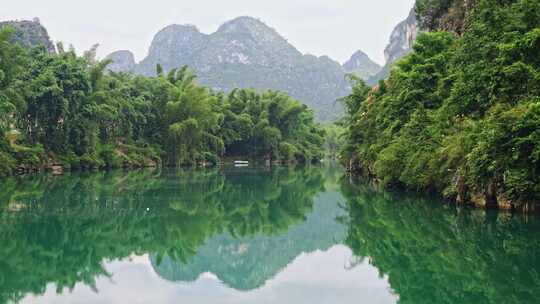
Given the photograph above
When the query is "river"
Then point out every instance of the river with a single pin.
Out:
(254, 235)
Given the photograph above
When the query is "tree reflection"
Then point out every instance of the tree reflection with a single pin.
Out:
(63, 229)
(247, 263)
(435, 253)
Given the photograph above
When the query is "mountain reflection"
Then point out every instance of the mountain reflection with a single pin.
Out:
(246, 226)
(62, 230)
(246, 263)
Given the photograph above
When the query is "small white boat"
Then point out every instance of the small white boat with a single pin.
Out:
(241, 163)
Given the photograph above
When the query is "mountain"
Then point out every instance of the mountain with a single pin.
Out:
(361, 65)
(400, 44)
(402, 39)
(29, 34)
(121, 61)
(245, 52)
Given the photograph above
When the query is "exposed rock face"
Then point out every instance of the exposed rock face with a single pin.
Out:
(450, 16)
(361, 65)
(245, 52)
(30, 34)
(401, 41)
(122, 61)
(172, 47)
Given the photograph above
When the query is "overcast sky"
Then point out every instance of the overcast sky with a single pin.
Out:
(336, 28)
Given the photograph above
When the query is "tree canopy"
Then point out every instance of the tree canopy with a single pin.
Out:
(461, 114)
(60, 108)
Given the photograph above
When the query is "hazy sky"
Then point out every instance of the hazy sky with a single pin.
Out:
(321, 27)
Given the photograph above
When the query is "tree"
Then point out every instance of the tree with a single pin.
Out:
(458, 115)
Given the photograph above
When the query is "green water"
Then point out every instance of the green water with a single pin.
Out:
(251, 235)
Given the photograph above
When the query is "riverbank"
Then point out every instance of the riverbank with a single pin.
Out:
(60, 165)
(460, 115)
(489, 197)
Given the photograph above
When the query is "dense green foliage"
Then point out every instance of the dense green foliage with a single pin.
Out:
(461, 114)
(334, 140)
(435, 253)
(64, 109)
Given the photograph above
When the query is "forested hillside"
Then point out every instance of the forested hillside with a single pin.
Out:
(461, 114)
(64, 110)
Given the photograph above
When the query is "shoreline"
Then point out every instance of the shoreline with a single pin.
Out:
(489, 199)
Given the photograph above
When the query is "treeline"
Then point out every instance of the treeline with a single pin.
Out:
(68, 110)
(461, 114)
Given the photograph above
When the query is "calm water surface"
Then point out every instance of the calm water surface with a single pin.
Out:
(253, 235)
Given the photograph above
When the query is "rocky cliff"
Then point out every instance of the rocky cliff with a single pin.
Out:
(401, 41)
(29, 34)
(449, 15)
(121, 61)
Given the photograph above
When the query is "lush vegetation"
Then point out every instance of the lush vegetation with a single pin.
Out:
(68, 110)
(461, 114)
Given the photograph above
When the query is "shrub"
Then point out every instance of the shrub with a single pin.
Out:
(7, 164)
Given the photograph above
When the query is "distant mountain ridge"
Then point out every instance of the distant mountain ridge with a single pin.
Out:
(361, 65)
(122, 61)
(245, 52)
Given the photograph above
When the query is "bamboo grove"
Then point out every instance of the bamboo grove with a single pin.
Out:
(60, 108)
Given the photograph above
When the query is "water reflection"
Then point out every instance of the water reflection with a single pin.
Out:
(246, 263)
(287, 235)
(433, 253)
(65, 228)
